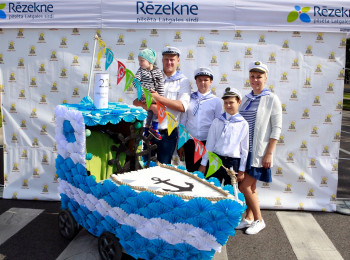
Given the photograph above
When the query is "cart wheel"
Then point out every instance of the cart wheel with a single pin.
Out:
(109, 247)
(67, 225)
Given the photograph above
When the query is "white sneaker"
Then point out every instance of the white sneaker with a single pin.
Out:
(255, 227)
(244, 223)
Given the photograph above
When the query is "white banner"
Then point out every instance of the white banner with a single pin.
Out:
(51, 14)
(161, 14)
(41, 68)
(330, 16)
(325, 16)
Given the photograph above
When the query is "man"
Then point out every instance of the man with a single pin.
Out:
(177, 91)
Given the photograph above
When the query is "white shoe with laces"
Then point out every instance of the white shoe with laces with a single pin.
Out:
(244, 223)
(255, 227)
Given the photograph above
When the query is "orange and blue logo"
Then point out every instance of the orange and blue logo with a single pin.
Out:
(299, 12)
(2, 13)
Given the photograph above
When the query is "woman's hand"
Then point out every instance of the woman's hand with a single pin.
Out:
(240, 176)
(266, 163)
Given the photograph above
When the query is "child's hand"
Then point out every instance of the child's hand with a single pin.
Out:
(181, 153)
(240, 176)
(202, 169)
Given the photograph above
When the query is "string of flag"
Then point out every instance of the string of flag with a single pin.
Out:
(214, 161)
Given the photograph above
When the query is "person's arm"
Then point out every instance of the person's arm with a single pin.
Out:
(172, 104)
(276, 119)
(182, 100)
(276, 128)
(269, 152)
(244, 148)
(142, 104)
(218, 109)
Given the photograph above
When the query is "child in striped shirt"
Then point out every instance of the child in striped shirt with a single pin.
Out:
(151, 77)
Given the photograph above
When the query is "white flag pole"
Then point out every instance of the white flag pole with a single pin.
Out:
(92, 62)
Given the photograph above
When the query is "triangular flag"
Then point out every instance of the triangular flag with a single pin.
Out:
(199, 149)
(184, 136)
(129, 78)
(148, 96)
(121, 72)
(214, 164)
(161, 112)
(138, 87)
(172, 123)
(101, 50)
(109, 58)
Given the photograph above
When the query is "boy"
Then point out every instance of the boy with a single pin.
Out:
(203, 109)
(228, 138)
(151, 78)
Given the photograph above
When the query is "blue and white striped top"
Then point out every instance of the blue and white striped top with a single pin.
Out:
(250, 116)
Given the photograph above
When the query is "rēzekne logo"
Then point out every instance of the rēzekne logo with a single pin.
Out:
(2, 13)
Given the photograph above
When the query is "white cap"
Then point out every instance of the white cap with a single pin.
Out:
(232, 92)
(171, 50)
(203, 72)
(258, 66)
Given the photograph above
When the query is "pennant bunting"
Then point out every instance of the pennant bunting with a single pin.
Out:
(138, 86)
(129, 78)
(184, 136)
(199, 149)
(148, 96)
(101, 50)
(121, 72)
(161, 112)
(214, 164)
(109, 58)
(172, 123)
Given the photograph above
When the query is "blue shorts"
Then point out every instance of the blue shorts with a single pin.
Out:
(260, 174)
(221, 173)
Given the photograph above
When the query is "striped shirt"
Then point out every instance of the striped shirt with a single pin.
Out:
(250, 116)
(151, 79)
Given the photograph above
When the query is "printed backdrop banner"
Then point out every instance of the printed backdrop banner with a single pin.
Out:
(330, 16)
(41, 68)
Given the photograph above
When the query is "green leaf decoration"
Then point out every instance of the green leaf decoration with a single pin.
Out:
(305, 9)
(2, 6)
(292, 16)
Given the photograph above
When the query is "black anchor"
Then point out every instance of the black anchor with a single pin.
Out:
(158, 180)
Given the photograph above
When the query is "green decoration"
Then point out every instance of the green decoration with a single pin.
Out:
(138, 125)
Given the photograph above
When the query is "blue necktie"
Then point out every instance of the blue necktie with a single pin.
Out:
(251, 97)
(233, 119)
(178, 75)
(198, 99)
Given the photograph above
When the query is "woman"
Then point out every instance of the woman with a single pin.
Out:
(203, 109)
(262, 109)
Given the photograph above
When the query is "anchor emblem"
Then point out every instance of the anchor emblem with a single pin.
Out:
(188, 188)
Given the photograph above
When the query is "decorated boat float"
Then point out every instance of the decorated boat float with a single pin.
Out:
(149, 210)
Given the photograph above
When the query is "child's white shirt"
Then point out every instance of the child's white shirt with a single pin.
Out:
(198, 125)
(233, 142)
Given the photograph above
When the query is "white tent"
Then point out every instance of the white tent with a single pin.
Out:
(302, 43)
